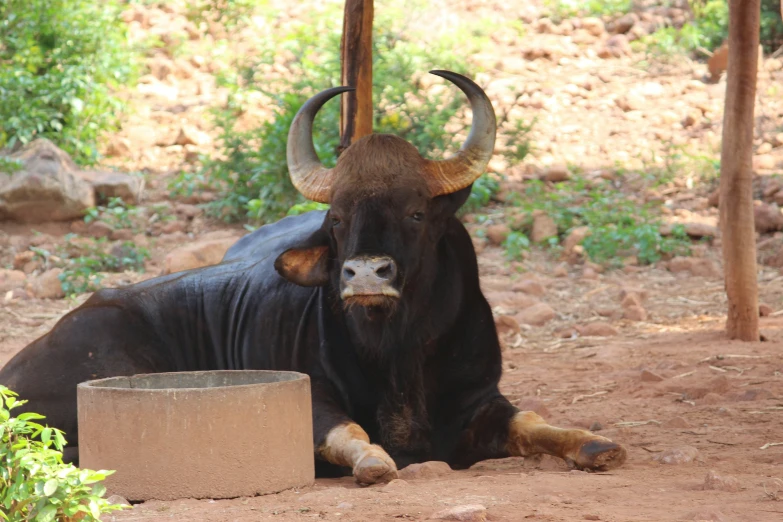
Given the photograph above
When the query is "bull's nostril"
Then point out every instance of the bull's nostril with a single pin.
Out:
(348, 273)
(385, 271)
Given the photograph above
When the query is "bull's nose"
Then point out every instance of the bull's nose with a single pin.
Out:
(369, 270)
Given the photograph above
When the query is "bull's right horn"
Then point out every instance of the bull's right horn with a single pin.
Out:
(309, 176)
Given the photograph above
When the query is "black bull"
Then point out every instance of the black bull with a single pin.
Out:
(241, 314)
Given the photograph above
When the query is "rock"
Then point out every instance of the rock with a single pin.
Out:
(597, 329)
(99, 229)
(696, 266)
(676, 423)
(675, 456)
(718, 62)
(714, 199)
(188, 211)
(122, 234)
(497, 234)
(396, 485)
(765, 310)
(616, 46)
(510, 300)
(635, 313)
(11, 279)
(467, 513)
(22, 258)
(530, 287)
(160, 67)
(196, 255)
(589, 273)
(699, 230)
(47, 285)
(706, 515)
(118, 146)
(648, 376)
(594, 26)
(721, 482)
(506, 325)
(764, 148)
(691, 118)
(764, 162)
(544, 227)
(631, 102)
(109, 184)
(596, 426)
(625, 22)
(631, 299)
(556, 174)
(560, 270)
(534, 405)
(575, 238)
(172, 227)
(117, 501)
(424, 470)
(537, 315)
(189, 135)
(47, 187)
(767, 217)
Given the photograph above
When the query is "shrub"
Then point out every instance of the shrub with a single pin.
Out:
(59, 61)
(251, 174)
(34, 482)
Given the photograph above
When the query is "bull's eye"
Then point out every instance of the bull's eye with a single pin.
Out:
(336, 221)
(417, 216)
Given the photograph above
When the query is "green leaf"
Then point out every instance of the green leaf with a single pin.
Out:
(47, 514)
(50, 488)
(46, 435)
(30, 416)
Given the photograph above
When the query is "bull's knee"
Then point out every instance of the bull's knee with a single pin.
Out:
(349, 445)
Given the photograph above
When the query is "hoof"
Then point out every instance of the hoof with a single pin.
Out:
(374, 469)
(599, 455)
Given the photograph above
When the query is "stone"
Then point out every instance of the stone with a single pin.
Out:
(196, 255)
(635, 313)
(505, 325)
(530, 287)
(718, 62)
(510, 300)
(764, 162)
(189, 135)
(424, 470)
(497, 234)
(589, 273)
(696, 266)
(631, 299)
(560, 270)
(575, 238)
(99, 229)
(117, 500)
(676, 423)
(110, 184)
(714, 198)
(704, 514)
(625, 23)
(698, 230)
(466, 513)
(22, 258)
(11, 279)
(648, 376)
(396, 485)
(616, 46)
(594, 26)
(534, 405)
(721, 482)
(765, 310)
(122, 234)
(597, 329)
(676, 456)
(47, 187)
(631, 102)
(537, 315)
(556, 174)
(118, 146)
(767, 217)
(47, 285)
(544, 227)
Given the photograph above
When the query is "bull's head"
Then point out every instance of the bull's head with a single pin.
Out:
(389, 206)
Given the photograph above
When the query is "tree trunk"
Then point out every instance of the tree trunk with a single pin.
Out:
(736, 172)
(356, 55)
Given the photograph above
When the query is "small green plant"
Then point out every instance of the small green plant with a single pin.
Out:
(10, 165)
(116, 213)
(83, 272)
(60, 61)
(35, 484)
(516, 244)
(561, 9)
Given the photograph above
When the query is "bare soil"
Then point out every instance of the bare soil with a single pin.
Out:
(660, 386)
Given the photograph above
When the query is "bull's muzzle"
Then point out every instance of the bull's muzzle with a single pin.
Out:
(369, 277)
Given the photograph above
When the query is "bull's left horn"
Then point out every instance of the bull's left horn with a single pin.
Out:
(309, 176)
(456, 173)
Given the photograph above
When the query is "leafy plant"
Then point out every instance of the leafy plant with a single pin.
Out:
(10, 165)
(561, 9)
(515, 244)
(116, 213)
(83, 272)
(35, 484)
(60, 61)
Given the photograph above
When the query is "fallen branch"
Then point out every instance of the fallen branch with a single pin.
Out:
(634, 424)
(770, 444)
(684, 375)
(580, 397)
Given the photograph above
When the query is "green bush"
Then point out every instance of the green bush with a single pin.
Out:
(251, 175)
(35, 485)
(59, 61)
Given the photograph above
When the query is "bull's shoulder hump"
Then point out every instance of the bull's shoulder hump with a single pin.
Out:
(277, 237)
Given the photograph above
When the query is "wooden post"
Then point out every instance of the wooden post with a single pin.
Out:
(736, 172)
(356, 56)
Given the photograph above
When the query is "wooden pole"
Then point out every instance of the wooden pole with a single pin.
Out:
(356, 57)
(736, 172)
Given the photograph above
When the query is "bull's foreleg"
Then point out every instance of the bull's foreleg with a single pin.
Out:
(500, 430)
(348, 445)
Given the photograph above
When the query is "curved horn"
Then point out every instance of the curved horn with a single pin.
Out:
(455, 173)
(308, 174)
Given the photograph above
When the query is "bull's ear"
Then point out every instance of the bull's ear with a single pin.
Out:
(448, 204)
(307, 264)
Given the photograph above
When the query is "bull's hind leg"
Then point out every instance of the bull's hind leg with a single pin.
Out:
(529, 434)
(498, 429)
(348, 445)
